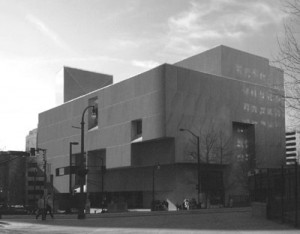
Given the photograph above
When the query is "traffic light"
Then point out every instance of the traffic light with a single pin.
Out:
(82, 172)
(197, 186)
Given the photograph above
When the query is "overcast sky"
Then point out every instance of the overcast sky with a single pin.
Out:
(118, 37)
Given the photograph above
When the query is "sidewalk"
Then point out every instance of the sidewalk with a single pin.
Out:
(227, 220)
(135, 213)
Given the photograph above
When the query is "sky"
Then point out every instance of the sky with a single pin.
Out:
(118, 37)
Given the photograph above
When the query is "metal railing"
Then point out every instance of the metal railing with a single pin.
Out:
(279, 188)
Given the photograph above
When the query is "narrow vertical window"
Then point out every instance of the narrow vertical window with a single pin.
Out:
(136, 129)
(93, 113)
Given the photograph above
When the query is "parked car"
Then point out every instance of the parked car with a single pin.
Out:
(12, 209)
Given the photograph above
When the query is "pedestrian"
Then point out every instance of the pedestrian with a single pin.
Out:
(186, 203)
(49, 205)
(41, 207)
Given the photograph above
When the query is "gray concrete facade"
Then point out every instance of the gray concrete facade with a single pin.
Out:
(210, 92)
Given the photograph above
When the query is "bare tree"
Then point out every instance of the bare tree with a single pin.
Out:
(237, 181)
(288, 57)
(224, 148)
(208, 142)
(215, 146)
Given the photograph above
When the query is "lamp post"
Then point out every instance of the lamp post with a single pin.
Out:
(198, 162)
(82, 171)
(70, 163)
(102, 183)
(155, 167)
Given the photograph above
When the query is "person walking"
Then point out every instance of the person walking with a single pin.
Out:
(41, 207)
(49, 205)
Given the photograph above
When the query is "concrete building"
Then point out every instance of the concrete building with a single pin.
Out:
(228, 98)
(31, 140)
(12, 178)
(34, 175)
(71, 83)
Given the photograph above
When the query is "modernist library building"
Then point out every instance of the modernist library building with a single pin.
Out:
(207, 121)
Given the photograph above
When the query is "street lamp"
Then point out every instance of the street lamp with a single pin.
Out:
(155, 167)
(198, 161)
(70, 163)
(82, 171)
(102, 183)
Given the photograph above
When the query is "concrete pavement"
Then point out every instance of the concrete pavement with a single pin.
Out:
(194, 221)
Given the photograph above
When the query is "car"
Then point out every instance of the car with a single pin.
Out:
(12, 209)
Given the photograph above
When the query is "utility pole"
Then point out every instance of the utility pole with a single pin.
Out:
(155, 167)
(82, 168)
(45, 181)
(102, 183)
(33, 152)
(71, 166)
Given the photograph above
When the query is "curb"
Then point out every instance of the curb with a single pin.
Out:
(163, 213)
(136, 213)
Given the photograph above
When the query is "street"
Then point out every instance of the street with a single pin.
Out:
(210, 221)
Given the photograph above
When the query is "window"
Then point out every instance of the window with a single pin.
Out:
(32, 164)
(290, 138)
(32, 174)
(244, 142)
(36, 183)
(136, 129)
(139, 127)
(291, 149)
(93, 116)
(291, 144)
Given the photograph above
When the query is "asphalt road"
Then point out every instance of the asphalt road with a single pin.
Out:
(212, 221)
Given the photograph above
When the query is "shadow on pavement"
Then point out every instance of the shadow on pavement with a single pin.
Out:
(2, 224)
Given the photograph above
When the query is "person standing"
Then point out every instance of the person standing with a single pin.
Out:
(41, 207)
(49, 205)
(186, 204)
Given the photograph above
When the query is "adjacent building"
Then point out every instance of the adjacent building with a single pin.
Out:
(31, 140)
(12, 178)
(228, 99)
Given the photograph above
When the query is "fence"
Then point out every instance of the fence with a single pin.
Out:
(279, 189)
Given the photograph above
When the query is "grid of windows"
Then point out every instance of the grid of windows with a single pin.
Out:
(244, 146)
(291, 147)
